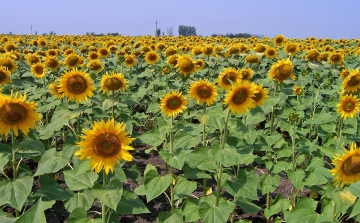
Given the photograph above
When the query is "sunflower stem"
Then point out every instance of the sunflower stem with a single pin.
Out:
(14, 165)
(79, 129)
(171, 168)
(113, 107)
(272, 112)
(204, 144)
(219, 175)
(339, 126)
(293, 190)
(103, 206)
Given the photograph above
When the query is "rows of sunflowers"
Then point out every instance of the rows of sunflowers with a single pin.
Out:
(230, 118)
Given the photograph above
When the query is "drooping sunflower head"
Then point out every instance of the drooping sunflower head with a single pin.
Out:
(347, 166)
(312, 55)
(261, 96)
(186, 65)
(95, 65)
(348, 107)
(93, 55)
(291, 48)
(279, 40)
(246, 73)
(113, 82)
(171, 51)
(54, 89)
(252, 58)
(72, 60)
(8, 63)
(352, 82)
(173, 59)
(241, 97)
(270, 52)
(152, 57)
(173, 103)
(344, 73)
(226, 75)
(103, 52)
(76, 85)
(282, 70)
(105, 144)
(4, 76)
(323, 56)
(197, 50)
(298, 90)
(38, 70)
(52, 63)
(260, 48)
(203, 91)
(207, 50)
(69, 51)
(17, 114)
(234, 49)
(336, 58)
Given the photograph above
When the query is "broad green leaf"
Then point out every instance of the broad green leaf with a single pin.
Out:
(355, 189)
(109, 103)
(268, 104)
(355, 209)
(194, 173)
(185, 141)
(152, 138)
(218, 214)
(296, 177)
(172, 217)
(155, 184)
(51, 161)
(15, 192)
(176, 159)
(35, 214)
(79, 181)
(191, 210)
(80, 199)
(304, 216)
(52, 190)
(110, 195)
(306, 203)
(3, 161)
(247, 207)
(31, 148)
(184, 188)
(253, 119)
(131, 204)
(328, 127)
(227, 156)
(216, 122)
(133, 173)
(201, 158)
(243, 186)
(78, 213)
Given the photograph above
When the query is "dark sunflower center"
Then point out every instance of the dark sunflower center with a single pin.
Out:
(257, 96)
(106, 145)
(152, 57)
(252, 59)
(336, 58)
(349, 106)
(173, 61)
(351, 165)
(291, 49)
(113, 84)
(52, 63)
(354, 80)
(6, 63)
(231, 76)
(12, 113)
(239, 96)
(95, 66)
(245, 75)
(76, 84)
(204, 91)
(2, 76)
(186, 65)
(73, 61)
(104, 52)
(129, 60)
(174, 103)
(207, 50)
(93, 56)
(39, 70)
(283, 72)
(33, 60)
(278, 40)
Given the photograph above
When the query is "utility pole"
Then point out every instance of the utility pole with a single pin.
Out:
(156, 28)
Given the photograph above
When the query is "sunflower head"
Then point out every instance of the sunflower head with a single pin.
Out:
(207, 50)
(344, 73)
(226, 75)
(279, 40)
(260, 48)
(261, 96)
(17, 114)
(152, 57)
(105, 144)
(39, 70)
(52, 63)
(171, 51)
(241, 97)
(186, 65)
(76, 85)
(352, 82)
(103, 52)
(173, 59)
(203, 91)
(72, 60)
(348, 107)
(252, 58)
(54, 89)
(336, 58)
(200, 64)
(246, 73)
(113, 82)
(129, 60)
(4, 76)
(166, 69)
(270, 52)
(173, 103)
(298, 90)
(95, 65)
(8, 63)
(312, 55)
(291, 48)
(281, 71)
(93, 55)
(347, 166)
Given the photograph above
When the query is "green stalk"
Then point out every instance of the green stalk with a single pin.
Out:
(339, 126)
(293, 190)
(14, 165)
(204, 144)
(171, 168)
(220, 165)
(113, 107)
(79, 129)
(103, 206)
(272, 112)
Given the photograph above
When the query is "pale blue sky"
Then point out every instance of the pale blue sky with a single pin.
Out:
(294, 19)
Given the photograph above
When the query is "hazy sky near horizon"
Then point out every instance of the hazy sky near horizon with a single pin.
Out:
(294, 19)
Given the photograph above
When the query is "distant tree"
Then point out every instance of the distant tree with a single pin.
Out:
(10, 33)
(35, 32)
(187, 30)
(170, 31)
(158, 32)
(238, 35)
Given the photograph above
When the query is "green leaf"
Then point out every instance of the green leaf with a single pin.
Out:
(185, 141)
(51, 161)
(191, 210)
(81, 199)
(296, 178)
(218, 214)
(110, 195)
(109, 103)
(227, 156)
(131, 204)
(79, 180)
(216, 122)
(201, 158)
(31, 148)
(15, 192)
(253, 119)
(355, 189)
(268, 104)
(3, 161)
(306, 203)
(172, 217)
(35, 214)
(243, 186)
(155, 184)
(184, 188)
(176, 159)
(328, 127)
(194, 173)
(247, 207)
(52, 190)
(133, 173)
(78, 213)
(153, 138)
(355, 209)
(304, 216)
(278, 205)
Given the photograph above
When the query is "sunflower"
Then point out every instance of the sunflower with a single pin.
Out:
(298, 90)
(344, 73)
(348, 107)
(200, 64)
(291, 48)
(261, 96)
(72, 60)
(186, 65)
(226, 75)
(241, 97)
(246, 73)
(207, 50)
(52, 52)
(312, 55)
(52, 63)
(10, 46)
(203, 91)
(76, 85)
(39, 70)
(323, 56)
(8, 63)
(352, 82)
(105, 144)
(95, 65)
(173, 59)
(347, 166)
(173, 103)
(234, 49)
(93, 55)
(281, 71)
(260, 48)
(17, 114)
(69, 51)
(166, 69)
(113, 82)
(32, 59)
(270, 52)
(170, 51)
(130, 60)
(152, 57)
(4, 76)
(54, 89)
(336, 58)
(103, 52)
(197, 50)
(279, 40)
(252, 58)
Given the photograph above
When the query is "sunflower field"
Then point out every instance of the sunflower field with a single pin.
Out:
(179, 129)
